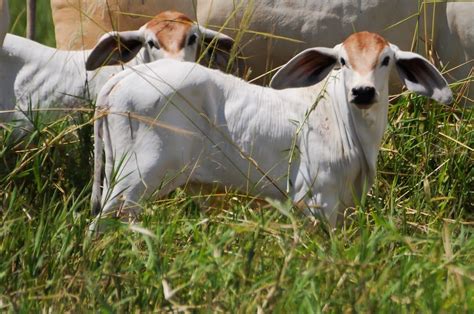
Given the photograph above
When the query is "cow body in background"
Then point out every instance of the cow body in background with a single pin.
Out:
(311, 23)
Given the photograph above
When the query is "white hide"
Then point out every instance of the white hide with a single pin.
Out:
(239, 113)
(460, 19)
(38, 77)
(170, 124)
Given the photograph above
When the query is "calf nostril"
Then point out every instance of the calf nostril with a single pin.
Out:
(363, 95)
(363, 91)
(369, 91)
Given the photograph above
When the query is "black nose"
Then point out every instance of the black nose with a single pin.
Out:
(363, 95)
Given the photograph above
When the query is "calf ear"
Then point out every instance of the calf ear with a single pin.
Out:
(420, 76)
(220, 51)
(115, 48)
(305, 69)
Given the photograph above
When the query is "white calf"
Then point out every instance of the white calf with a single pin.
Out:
(168, 124)
(33, 75)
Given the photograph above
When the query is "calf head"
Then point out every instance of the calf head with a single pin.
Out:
(170, 34)
(365, 60)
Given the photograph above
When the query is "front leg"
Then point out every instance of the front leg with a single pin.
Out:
(325, 205)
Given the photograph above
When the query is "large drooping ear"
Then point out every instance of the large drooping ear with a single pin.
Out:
(305, 69)
(220, 51)
(420, 76)
(114, 48)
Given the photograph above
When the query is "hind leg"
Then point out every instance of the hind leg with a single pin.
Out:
(136, 177)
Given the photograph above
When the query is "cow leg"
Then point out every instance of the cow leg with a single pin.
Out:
(137, 177)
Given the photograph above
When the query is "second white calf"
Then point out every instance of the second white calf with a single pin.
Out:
(34, 76)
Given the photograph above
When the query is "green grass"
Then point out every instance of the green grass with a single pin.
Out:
(409, 246)
(44, 28)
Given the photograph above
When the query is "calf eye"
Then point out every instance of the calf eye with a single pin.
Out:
(192, 39)
(151, 44)
(385, 61)
(343, 62)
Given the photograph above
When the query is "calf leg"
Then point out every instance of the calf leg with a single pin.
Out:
(135, 178)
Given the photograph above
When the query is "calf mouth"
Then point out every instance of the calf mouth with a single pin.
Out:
(363, 102)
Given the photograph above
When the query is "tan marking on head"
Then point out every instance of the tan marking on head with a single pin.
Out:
(171, 29)
(363, 50)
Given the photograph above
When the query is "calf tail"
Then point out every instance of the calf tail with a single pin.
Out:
(101, 140)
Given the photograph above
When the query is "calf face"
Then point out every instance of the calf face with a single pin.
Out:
(170, 34)
(366, 60)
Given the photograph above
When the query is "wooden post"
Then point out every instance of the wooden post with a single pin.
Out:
(30, 19)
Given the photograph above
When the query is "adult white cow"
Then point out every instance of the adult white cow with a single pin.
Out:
(4, 19)
(313, 138)
(36, 76)
(460, 19)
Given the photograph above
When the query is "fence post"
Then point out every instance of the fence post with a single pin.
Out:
(30, 19)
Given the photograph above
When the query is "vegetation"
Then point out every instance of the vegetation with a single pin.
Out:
(408, 246)
(44, 21)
